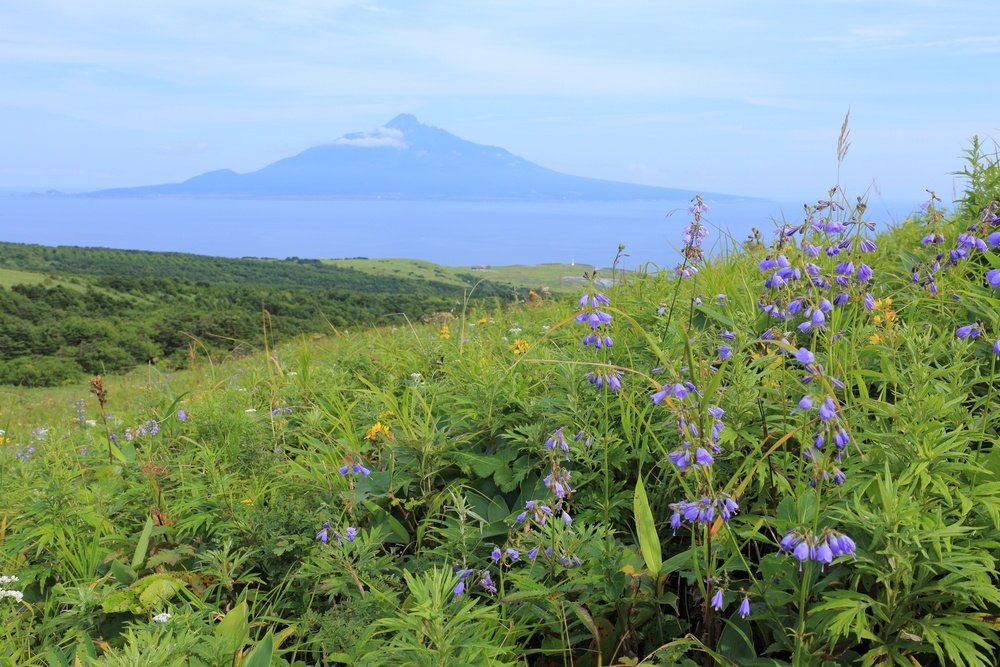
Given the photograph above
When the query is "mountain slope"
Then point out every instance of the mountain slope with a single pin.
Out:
(407, 160)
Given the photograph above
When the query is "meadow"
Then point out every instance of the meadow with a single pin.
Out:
(782, 455)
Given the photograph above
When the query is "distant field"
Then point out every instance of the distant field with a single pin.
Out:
(554, 276)
(9, 277)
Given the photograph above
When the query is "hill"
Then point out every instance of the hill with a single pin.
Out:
(406, 159)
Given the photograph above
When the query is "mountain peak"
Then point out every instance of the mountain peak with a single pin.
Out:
(404, 122)
(405, 159)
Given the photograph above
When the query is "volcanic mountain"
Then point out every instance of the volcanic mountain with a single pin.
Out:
(405, 159)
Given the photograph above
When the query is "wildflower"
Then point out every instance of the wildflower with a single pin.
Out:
(805, 356)
(806, 403)
(513, 554)
(868, 246)
(182, 415)
(324, 534)
(744, 610)
(567, 519)
(968, 331)
(445, 332)
(993, 278)
(702, 457)
(717, 601)
(459, 588)
(520, 346)
(496, 555)
(487, 583)
(162, 618)
(996, 348)
(351, 533)
(725, 352)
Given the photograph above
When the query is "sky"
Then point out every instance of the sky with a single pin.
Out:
(716, 95)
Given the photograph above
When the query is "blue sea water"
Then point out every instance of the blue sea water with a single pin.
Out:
(453, 233)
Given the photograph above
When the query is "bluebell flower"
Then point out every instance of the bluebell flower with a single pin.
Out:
(181, 415)
(996, 348)
(496, 555)
(865, 273)
(993, 278)
(702, 457)
(725, 352)
(968, 331)
(459, 589)
(351, 533)
(827, 410)
(805, 356)
(324, 534)
(717, 601)
(868, 246)
(513, 554)
(806, 402)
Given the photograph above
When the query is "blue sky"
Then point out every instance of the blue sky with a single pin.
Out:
(719, 95)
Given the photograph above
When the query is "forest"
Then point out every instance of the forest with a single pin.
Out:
(101, 310)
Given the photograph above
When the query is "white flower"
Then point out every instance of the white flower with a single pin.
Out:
(15, 595)
(250, 410)
(4, 580)
(91, 422)
(162, 618)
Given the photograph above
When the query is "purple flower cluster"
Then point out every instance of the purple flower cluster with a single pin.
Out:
(807, 546)
(831, 428)
(703, 510)
(595, 318)
(350, 534)
(694, 234)
(601, 378)
(810, 284)
(484, 580)
(355, 468)
(151, 427)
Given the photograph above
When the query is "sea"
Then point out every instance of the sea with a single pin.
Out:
(452, 233)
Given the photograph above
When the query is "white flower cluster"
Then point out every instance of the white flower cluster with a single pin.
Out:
(162, 618)
(4, 593)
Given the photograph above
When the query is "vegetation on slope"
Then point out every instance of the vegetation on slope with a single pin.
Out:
(116, 309)
(788, 456)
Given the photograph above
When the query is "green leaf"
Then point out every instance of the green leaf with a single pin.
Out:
(260, 656)
(143, 545)
(233, 629)
(123, 574)
(649, 541)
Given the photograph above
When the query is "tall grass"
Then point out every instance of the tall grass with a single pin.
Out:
(784, 455)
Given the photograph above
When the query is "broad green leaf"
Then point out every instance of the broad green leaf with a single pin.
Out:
(143, 545)
(232, 630)
(260, 656)
(649, 541)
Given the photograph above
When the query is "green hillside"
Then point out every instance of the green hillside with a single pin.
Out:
(786, 456)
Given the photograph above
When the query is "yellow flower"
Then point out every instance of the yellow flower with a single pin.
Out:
(484, 360)
(378, 428)
(875, 339)
(386, 414)
(445, 332)
(878, 319)
(519, 347)
(482, 320)
(890, 316)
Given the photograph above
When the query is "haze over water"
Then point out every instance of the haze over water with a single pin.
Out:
(453, 233)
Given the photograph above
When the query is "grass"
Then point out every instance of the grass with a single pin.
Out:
(801, 471)
(554, 276)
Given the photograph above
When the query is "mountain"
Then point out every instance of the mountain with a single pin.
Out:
(405, 159)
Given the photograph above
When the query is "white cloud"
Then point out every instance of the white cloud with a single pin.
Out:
(381, 137)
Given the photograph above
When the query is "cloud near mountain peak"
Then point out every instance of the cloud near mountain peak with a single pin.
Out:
(380, 137)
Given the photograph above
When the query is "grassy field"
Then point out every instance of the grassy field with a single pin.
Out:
(10, 277)
(557, 277)
(785, 456)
